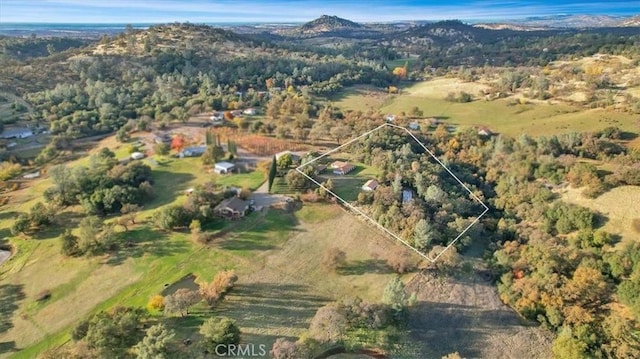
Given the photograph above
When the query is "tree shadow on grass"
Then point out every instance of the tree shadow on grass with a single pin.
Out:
(271, 305)
(599, 220)
(8, 215)
(6, 347)
(144, 240)
(628, 136)
(10, 297)
(450, 327)
(5, 232)
(378, 266)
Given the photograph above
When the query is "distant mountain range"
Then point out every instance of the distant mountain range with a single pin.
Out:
(334, 26)
(327, 25)
(573, 21)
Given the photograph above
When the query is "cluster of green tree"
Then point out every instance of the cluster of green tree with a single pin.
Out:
(38, 217)
(120, 333)
(101, 93)
(111, 333)
(461, 97)
(103, 187)
(199, 206)
(555, 266)
(345, 322)
(94, 237)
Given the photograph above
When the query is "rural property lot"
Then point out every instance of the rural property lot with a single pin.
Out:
(282, 293)
(348, 176)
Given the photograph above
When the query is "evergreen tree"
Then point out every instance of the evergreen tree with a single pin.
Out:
(156, 344)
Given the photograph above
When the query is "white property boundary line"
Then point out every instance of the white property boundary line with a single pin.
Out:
(381, 227)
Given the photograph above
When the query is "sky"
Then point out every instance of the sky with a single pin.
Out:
(293, 11)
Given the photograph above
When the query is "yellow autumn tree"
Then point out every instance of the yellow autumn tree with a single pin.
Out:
(156, 302)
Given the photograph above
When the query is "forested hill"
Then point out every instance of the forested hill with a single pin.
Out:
(169, 72)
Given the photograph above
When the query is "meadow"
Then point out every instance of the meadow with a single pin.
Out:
(616, 205)
(507, 116)
(275, 255)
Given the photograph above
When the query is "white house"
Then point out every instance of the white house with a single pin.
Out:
(137, 156)
(223, 167)
(250, 112)
(414, 126)
(390, 118)
(16, 132)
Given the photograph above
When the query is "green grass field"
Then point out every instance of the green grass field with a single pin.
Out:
(350, 185)
(400, 62)
(533, 119)
(251, 180)
(276, 257)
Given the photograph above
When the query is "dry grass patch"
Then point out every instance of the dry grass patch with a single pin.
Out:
(616, 205)
(635, 224)
(440, 87)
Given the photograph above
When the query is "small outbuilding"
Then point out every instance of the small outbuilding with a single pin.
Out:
(224, 167)
(342, 168)
(137, 156)
(370, 185)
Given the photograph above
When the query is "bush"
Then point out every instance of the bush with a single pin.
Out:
(69, 244)
(221, 284)
(9, 170)
(171, 217)
(161, 149)
(333, 258)
(399, 260)
(220, 330)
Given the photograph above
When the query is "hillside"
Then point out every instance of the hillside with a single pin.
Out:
(327, 25)
(632, 21)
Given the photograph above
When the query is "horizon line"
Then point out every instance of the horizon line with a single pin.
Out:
(276, 22)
